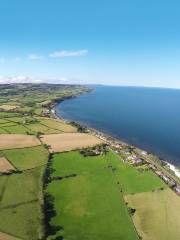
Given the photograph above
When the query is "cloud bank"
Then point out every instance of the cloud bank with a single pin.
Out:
(34, 56)
(27, 79)
(65, 53)
(19, 79)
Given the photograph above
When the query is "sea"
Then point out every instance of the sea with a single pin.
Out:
(148, 118)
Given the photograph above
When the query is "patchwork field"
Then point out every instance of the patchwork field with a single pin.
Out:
(34, 125)
(89, 205)
(5, 165)
(26, 158)
(157, 214)
(9, 141)
(69, 141)
(21, 194)
(59, 125)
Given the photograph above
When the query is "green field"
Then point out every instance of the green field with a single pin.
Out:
(26, 158)
(132, 180)
(32, 125)
(90, 205)
(157, 214)
(21, 193)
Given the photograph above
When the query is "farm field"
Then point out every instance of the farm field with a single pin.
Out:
(89, 205)
(21, 193)
(8, 107)
(14, 129)
(69, 141)
(59, 125)
(21, 190)
(157, 214)
(132, 180)
(26, 158)
(34, 125)
(9, 141)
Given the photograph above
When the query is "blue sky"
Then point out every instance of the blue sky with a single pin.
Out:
(115, 42)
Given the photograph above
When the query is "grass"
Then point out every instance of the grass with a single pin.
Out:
(90, 205)
(2, 131)
(8, 114)
(18, 129)
(22, 221)
(2, 121)
(157, 214)
(21, 188)
(21, 194)
(132, 180)
(3, 181)
(27, 158)
(57, 124)
(20, 204)
(24, 125)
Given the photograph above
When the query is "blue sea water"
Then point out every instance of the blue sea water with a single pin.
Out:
(145, 117)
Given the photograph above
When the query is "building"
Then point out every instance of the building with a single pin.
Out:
(144, 153)
(138, 161)
(177, 190)
(152, 166)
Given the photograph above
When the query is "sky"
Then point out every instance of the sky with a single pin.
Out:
(130, 42)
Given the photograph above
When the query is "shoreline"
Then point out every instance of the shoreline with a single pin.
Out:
(114, 141)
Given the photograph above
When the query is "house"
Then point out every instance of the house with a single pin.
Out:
(165, 178)
(144, 153)
(132, 157)
(137, 161)
(159, 173)
(177, 190)
(152, 166)
(172, 183)
(45, 113)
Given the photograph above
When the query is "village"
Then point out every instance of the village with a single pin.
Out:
(138, 159)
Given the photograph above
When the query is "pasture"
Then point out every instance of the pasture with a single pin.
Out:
(21, 193)
(157, 214)
(131, 179)
(69, 141)
(57, 124)
(9, 141)
(34, 125)
(27, 158)
(89, 205)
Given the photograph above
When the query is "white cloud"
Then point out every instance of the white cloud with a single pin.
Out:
(34, 56)
(66, 53)
(27, 79)
(19, 79)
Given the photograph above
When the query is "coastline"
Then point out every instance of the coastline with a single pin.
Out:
(165, 165)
